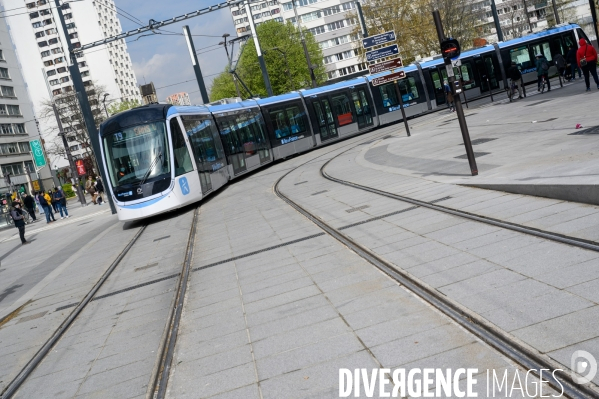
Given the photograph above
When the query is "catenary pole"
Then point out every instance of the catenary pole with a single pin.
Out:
(248, 11)
(196, 64)
(496, 20)
(86, 110)
(303, 39)
(67, 150)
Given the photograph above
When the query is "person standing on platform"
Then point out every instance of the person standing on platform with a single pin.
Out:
(586, 57)
(29, 204)
(449, 96)
(542, 72)
(516, 79)
(17, 216)
(560, 63)
(100, 190)
(571, 59)
(61, 203)
(44, 202)
(91, 189)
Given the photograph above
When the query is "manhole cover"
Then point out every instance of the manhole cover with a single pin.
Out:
(591, 130)
(479, 141)
(476, 155)
(537, 103)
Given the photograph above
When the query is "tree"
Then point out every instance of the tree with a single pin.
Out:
(413, 24)
(284, 58)
(73, 123)
(121, 106)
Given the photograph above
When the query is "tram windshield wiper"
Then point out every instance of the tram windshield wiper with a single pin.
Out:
(147, 174)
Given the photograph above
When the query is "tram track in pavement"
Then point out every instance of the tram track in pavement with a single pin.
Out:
(524, 355)
(160, 373)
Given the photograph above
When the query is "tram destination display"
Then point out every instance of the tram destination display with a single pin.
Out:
(382, 52)
(388, 78)
(379, 39)
(385, 65)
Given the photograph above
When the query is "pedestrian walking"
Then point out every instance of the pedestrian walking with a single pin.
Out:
(17, 216)
(560, 63)
(571, 59)
(61, 202)
(100, 190)
(515, 76)
(44, 200)
(29, 204)
(586, 57)
(448, 96)
(91, 189)
(542, 71)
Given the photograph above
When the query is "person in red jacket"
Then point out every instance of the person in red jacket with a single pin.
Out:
(587, 53)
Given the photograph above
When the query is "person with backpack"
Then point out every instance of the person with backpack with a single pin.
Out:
(571, 59)
(61, 202)
(17, 216)
(45, 204)
(100, 190)
(560, 63)
(29, 204)
(586, 58)
(516, 79)
(542, 71)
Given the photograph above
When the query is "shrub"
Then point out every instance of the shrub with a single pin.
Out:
(68, 190)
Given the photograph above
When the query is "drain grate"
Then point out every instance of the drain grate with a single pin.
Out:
(32, 317)
(537, 103)
(302, 182)
(145, 267)
(161, 238)
(479, 141)
(476, 154)
(440, 199)
(359, 208)
(591, 130)
(320, 192)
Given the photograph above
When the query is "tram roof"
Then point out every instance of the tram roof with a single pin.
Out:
(537, 35)
(187, 109)
(335, 86)
(134, 116)
(294, 95)
(233, 106)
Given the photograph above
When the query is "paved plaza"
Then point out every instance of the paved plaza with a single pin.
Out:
(275, 307)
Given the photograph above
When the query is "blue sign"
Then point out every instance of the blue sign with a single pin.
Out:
(184, 185)
(378, 39)
(382, 53)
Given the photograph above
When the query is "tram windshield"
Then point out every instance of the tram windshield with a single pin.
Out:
(137, 154)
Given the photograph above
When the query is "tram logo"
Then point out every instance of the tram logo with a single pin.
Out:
(583, 362)
(139, 191)
(184, 185)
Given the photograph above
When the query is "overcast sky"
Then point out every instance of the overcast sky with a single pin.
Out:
(164, 59)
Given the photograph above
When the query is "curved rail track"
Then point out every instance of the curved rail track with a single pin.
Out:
(525, 356)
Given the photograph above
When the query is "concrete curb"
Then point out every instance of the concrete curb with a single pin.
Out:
(583, 193)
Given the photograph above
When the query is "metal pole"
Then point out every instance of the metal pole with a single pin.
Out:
(557, 22)
(229, 65)
(362, 21)
(248, 11)
(594, 15)
(403, 112)
(496, 20)
(69, 156)
(299, 26)
(104, 103)
(527, 16)
(458, 104)
(196, 64)
(86, 110)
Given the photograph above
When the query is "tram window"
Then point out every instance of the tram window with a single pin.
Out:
(569, 40)
(388, 94)
(559, 47)
(467, 76)
(246, 133)
(205, 149)
(280, 124)
(182, 159)
(521, 57)
(542, 48)
(342, 108)
(408, 89)
(296, 117)
(287, 121)
(581, 34)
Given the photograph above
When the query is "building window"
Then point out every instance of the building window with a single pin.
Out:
(12, 128)
(48, 63)
(57, 50)
(45, 12)
(4, 73)
(84, 73)
(12, 169)
(68, 16)
(37, 24)
(50, 31)
(53, 41)
(10, 110)
(47, 21)
(71, 25)
(65, 79)
(58, 60)
(30, 5)
(56, 92)
(74, 35)
(62, 69)
(45, 53)
(34, 15)
(53, 82)
(7, 91)
(40, 34)
(42, 44)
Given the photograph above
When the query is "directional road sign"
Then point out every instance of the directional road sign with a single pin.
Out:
(385, 65)
(382, 53)
(378, 39)
(388, 78)
(38, 153)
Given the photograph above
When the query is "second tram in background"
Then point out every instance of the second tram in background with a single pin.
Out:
(161, 157)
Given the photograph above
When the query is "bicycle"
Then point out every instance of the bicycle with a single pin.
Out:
(543, 83)
(513, 88)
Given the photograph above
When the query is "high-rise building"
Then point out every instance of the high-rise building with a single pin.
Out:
(38, 38)
(261, 12)
(148, 93)
(179, 99)
(17, 121)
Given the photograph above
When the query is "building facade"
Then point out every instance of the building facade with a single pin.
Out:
(17, 121)
(148, 93)
(39, 40)
(179, 99)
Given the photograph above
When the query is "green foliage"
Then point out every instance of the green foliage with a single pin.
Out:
(285, 62)
(115, 108)
(68, 190)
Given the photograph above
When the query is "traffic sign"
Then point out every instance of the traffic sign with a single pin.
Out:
(38, 153)
(382, 52)
(378, 39)
(388, 78)
(385, 65)
(80, 167)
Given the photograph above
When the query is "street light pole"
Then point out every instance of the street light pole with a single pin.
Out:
(67, 150)
(104, 103)
(196, 64)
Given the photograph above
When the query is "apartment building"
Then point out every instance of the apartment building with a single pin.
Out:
(181, 98)
(39, 40)
(17, 120)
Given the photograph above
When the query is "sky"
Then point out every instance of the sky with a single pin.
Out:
(164, 59)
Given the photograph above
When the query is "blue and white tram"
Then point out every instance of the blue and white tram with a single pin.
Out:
(161, 157)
